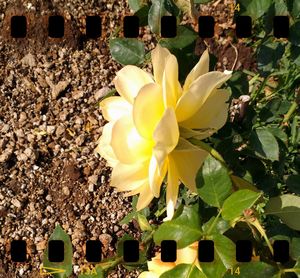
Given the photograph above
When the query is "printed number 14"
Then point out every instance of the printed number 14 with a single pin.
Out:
(235, 7)
(235, 271)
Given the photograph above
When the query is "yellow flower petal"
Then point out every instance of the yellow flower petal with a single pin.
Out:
(198, 93)
(165, 136)
(157, 172)
(148, 109)
(171, 86)
(188, 159)
(129, 176)
(145, 197)
(159, 56)
(148, 274)
(172, 188)
(212, 114)
(128, 146)
(197, 134)
(159, 267)
(136, 190)
(187, 255)
(199, 69)
(104, 148)
(114, 108)
(130, 80)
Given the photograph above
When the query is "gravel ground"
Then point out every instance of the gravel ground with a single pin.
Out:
(49, 124)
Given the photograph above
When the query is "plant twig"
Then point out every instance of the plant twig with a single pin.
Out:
(290, 112)
(236, 56)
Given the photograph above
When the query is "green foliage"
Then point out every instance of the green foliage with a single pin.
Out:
(236, 203)
(156, 12)
(66, 266)
(254, 162)
(213, 182)
(269, 54)
(293, 182)
(295, 33)
(295, 248)
(294, 8)
(287, 207)
(185, 37)
(185, 229)
(224, 257)
(184, 271)
(254, 8)
(127, 51)
(264, 144)
(142, 14)
(136, 5)
(254, 269)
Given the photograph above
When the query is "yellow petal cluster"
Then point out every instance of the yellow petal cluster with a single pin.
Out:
(145, 138)
(156, 267)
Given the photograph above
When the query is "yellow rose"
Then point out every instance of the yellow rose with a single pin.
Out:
(150, 122)
(187, 255)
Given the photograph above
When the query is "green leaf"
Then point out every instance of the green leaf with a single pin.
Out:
(185, 229)
(213, 182)
(253, 269)
(220, 227)
(120, 252)
(240, 200)
(293, 182)
(264, 144)
(281, 8)
(135, 5)
(66, 265)
(142, 14)
(143, 222)
(297, 268)
(255, 8)
(295, 248)
(294, 8)
(279, 133)
(242, 183)
(295, 54)
(120, 246)
(185, 6)
(185, 36)
(127, 51)
(128, 218)
(271, 110)
(224, 257)
(295, 33)
(171, 7)
(156, 12)
(269, 55)
(287, 208)
(184, 271)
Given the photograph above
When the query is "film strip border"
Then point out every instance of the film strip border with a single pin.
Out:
(244, 251)
(56, 28)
